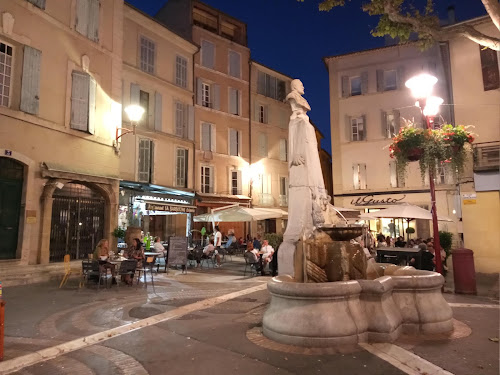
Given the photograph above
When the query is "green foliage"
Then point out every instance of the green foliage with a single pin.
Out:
(274, 239)
(446, 240)
(410, 230)
(119, 232)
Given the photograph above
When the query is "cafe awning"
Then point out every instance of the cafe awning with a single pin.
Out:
(235, 213)
(403, 211)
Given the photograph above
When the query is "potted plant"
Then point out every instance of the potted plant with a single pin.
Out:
(457, 141)
(119, 233)
(407, 146)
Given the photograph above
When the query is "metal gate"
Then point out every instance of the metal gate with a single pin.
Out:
(77, 222)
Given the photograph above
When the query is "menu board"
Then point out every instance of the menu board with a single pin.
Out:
(177, 250)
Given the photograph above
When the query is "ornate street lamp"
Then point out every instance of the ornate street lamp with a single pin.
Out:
(421, 87)
(134, 113)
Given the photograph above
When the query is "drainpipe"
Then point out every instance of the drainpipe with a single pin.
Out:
(250, 125)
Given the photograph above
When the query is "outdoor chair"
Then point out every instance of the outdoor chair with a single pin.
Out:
(127, 267)
(208, 259)
(147, 266)
(90, 268)
(195, 256)
(68, 271)
(251, 263)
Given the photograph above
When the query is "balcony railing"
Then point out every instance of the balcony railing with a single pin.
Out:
(486, 156)
(284, 200)
(266, 200)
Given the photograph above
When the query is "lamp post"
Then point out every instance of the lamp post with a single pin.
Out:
(421, 87)
(134, 113)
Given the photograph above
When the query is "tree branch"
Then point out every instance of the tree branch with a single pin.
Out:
(493, 9)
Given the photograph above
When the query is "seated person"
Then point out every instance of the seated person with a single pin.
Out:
(267, 252)
(253, 256)
(159, 248)
(101, 254)
(135, 251)
(209, 250)
(230, 240)
(400, 242)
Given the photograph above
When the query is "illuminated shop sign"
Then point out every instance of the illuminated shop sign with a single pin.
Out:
(369, 200)
(170, 208)
(160, 199)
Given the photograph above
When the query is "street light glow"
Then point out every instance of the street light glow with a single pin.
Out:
(421, 85)
(134, 112)
(432, 106)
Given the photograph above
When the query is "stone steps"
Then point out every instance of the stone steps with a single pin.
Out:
(13, 273)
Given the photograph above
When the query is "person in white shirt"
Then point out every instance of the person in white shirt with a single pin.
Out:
(217, 244)
(159, 248)
(267, 252)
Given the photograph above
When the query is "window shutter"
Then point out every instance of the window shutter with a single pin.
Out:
(345, 87)
(151, 165)
(82, 15)
(355, 176)
(234, 64)
(207, 54)
(263, 145)
(256, 111)
(348, 129)
(145, 152)
(397, 121)
(400, 77)
(238, 191)
(364, 128)
(362, 172)
(205, 136)
(233, 101)
(92, 101)
(30, 87)
(380, 80)
(93, 20)
(283, 119)
(39, 3)
(158, 112)
(261, 83)
(135, 93)
(449, 176)
(240, 143)
(79, 101)
(179, 128)
(190, 114)
(283, 153)
(393, 174)
(364, 83)
(384, 125)
(199, 90)
(211, 179)
(216, 96)
(233, 139)
(212, 138)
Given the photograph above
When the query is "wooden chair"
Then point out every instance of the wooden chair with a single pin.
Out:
(68, 271)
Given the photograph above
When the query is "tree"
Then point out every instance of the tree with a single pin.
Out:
(399, 18)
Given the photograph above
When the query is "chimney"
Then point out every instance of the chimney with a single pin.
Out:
(451, 15)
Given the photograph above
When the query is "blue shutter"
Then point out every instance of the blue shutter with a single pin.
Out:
(30, 87)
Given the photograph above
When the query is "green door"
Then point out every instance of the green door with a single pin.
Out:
(11, 188)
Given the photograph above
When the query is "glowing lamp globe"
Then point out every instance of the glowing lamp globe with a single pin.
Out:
(421, 85)
(134, 112)
(432, 106)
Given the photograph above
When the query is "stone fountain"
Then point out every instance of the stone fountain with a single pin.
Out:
(328, 293)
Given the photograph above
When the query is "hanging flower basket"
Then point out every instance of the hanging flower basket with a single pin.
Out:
(415, 154)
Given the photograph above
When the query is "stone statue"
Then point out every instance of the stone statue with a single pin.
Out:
(309, 203)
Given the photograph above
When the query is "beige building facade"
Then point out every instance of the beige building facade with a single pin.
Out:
(60, 107)
(157, 159)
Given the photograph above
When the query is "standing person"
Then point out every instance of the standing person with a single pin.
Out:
(217, 244)
(256, 243)
(392, 229)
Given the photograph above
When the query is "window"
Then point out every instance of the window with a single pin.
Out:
(83, 90)
(390, 80)
(181, 71)
(87, 18)
(207, 137)
(180, 120)
(271, 86)
(234, 64)
(390, 123)
(145, 160)
(284, 191)
(355, 85)
(235, 182)
(283, 150)
(38, 3)
(6, 54)
(205, 95)
(262, 112)
(263, 145)
(181, 168)
(207, 54)
(234, 142)
(396, 180)
(207, 179)
(234, 101)
(357, 129)
(147, 55)
(144, 103)
(359, 176)
(490, 68)
(444, 176)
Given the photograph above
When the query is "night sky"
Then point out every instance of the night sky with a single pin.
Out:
(292, 37)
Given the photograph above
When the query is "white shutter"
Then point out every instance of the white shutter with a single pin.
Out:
(144, 162)
(233, 142)
(212, 138)
(82, 16)
(348, 129)
(211, 179)
(93, 20)
(135, 93)
(205, 136)
(397, 121)
(263, 145)
(385, 127)
(256, 110)
(207, 54)
(283, 151)
(362, 175)
(30, 86)
(346, 90)
(393, 174)
(400, 77)
(239, 190)
(199, 91)
(364, 83)
(233, 101)
(79, 101)
(240, 144)
(234, 64)
(364, 128)
(158, 112)
(216, 96)
(261, 83)
(179, 128)
(92, 102)
(266, 114)
(355, 176)
(190, 122)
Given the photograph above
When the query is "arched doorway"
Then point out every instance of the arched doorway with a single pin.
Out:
(77, 221)
(11, 191)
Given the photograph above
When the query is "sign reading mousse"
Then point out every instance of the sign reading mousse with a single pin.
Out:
(369, 200)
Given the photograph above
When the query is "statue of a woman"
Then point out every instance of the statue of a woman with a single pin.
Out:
(308, 200)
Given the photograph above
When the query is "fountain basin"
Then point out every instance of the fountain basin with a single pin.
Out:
(348, 312)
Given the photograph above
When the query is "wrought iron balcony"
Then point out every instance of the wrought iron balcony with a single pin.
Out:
(486, 156)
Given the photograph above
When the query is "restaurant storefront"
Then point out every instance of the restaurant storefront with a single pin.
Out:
(159, 211)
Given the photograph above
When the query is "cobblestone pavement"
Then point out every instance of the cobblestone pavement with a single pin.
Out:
(213, 338)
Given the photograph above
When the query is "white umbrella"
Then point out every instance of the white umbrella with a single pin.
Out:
(403, 211)
(237, 214)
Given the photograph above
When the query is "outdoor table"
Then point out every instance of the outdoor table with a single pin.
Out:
(400, 252)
